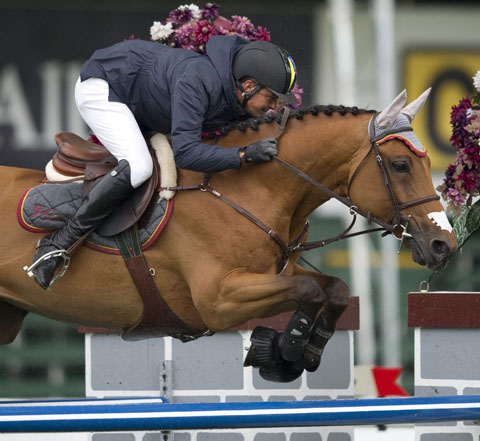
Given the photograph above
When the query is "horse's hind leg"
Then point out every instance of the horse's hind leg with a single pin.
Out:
(11, 319)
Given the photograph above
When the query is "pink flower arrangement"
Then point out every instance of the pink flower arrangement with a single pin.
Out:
(462, 179)
(190, 27)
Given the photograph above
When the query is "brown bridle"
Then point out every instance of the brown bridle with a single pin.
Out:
(400, 228)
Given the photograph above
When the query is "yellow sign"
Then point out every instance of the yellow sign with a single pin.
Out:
(449, 73)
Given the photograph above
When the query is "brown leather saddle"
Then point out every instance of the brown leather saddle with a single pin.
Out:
(85, 160)
(77, 157)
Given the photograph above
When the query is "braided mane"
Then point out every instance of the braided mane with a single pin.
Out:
(254, 123)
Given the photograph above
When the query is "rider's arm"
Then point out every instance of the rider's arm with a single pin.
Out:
(189, 106)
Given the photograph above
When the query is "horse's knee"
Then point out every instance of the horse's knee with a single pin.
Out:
(309, 291)
(11, 320)
(338, 294)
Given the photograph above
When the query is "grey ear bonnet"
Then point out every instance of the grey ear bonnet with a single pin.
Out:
(400, 123)
(396, 119)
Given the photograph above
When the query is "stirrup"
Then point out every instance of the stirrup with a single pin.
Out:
(58, 253)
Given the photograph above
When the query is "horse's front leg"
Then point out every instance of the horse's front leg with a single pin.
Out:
(337, 300)
(243, 295)
(247, 295)
(283, 357)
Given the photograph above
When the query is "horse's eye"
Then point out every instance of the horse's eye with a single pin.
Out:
(401, 166)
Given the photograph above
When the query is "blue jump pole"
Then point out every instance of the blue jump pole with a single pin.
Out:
(100, 415)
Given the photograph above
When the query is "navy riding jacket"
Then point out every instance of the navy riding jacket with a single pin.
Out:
(175, 91)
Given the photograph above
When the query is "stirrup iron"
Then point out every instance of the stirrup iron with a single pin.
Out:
(58, 253)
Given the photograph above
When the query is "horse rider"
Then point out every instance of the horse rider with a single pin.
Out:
(135, 87)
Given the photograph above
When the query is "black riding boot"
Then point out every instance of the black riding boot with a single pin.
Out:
(110, 191)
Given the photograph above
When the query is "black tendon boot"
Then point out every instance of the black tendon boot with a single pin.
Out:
(110, 191)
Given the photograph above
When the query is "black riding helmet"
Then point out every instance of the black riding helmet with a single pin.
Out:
(268, 64)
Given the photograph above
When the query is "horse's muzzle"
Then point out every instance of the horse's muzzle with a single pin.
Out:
(434, 253)
(440, 250)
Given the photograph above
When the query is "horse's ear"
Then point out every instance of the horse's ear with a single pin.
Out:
(388, 115)
(414, 107)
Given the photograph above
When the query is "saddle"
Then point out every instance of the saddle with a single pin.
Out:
(74, 153)
(81, 159)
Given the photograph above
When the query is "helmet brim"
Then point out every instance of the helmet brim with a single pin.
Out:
(288, 98)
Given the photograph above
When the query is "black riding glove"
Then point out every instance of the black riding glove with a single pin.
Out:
(260, 151)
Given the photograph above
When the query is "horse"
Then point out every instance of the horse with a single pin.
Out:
(216, 268)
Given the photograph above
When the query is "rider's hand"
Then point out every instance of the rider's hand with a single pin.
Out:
(260, 151)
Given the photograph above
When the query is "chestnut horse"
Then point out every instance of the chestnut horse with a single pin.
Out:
(215, 268)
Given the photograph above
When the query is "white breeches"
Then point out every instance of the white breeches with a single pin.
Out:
(115, 126)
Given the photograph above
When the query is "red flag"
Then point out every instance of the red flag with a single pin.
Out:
(385, 380)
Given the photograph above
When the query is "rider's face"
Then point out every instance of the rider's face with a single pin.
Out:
(260, 102)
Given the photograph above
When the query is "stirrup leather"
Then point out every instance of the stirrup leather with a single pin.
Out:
(58, 253)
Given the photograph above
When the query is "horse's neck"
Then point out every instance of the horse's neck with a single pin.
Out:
(327, 149)
(323, 147)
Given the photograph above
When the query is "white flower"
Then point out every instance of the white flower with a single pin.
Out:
(193, 8)
(476, 81)
(160, 31)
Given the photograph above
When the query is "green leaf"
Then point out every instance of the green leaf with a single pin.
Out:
(459, 227)
(467, 223)
(473, 217)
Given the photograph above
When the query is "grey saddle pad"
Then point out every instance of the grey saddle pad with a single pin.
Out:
(46, 207)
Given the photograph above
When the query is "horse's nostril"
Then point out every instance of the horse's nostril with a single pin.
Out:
(440, 248)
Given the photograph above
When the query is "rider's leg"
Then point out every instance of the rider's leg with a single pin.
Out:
(112, 189)
(114, 124)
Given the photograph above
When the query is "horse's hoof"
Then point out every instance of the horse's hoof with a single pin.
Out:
(262, 351)
(264, 354)
(281, 374)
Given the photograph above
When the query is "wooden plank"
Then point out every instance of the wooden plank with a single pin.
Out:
(444, 309)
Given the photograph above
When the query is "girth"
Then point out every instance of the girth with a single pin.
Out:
(157, 319)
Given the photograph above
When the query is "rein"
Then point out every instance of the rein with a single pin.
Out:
(354, 210)
(297, 245)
